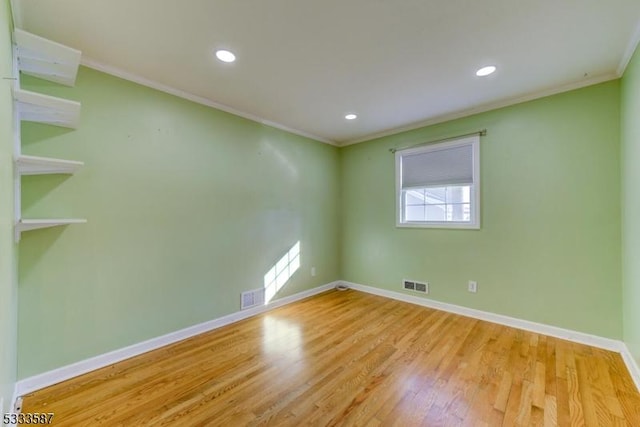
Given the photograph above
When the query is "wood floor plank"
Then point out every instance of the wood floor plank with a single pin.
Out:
(563, 411)
(550, 411)
(353, 359)
(587, 399)
(539, 383)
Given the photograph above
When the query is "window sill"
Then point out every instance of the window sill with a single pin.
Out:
(440, 225)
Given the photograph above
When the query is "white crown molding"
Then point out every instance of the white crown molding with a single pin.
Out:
(97, 65)
(631, 48)
(553, 331)
(632, 365)
(45, 379)
(486, 107)
(117, 72)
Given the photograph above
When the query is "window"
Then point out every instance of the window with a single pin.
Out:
(438, 185)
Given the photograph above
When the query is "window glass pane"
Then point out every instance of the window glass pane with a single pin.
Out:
(442, 204)
(458, 194)
(458, 212)
(414, 213)
(435, 195)
(467, 212)
(414, 197)
(436, 212)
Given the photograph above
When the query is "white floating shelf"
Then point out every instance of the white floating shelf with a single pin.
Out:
(34, 224)
(32, 165)
(36, 107)
(46, 59)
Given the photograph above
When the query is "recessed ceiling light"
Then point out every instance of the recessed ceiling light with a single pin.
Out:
(485, 71)
(225, 55)
(351, 116)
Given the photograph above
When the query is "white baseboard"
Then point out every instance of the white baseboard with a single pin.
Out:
(46, 379)
(14, 399)
(12, 403)
(632, 365)
(36, 382)
(554, 331)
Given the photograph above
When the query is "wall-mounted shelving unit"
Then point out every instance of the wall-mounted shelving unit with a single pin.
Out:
(45, 59)
(34, 224)
(51, 61)
(33, 165)
(36, 107)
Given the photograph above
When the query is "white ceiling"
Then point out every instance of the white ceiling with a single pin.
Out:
(304, 64)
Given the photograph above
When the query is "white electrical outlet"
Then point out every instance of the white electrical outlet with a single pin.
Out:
(473, 286)
(313, 271)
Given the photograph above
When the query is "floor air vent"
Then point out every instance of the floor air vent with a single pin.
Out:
(412, 285)
(252, 299)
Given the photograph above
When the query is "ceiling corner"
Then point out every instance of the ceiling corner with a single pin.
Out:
(634, 41)
(16, 12)
(132, 77)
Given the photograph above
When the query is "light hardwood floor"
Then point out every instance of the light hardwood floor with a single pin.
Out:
(349, 358)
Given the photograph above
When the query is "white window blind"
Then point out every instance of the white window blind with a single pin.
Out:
(446, 166)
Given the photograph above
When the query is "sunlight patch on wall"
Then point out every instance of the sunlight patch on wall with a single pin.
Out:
(280, 273)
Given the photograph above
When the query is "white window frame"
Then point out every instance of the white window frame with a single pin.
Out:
(474, 223)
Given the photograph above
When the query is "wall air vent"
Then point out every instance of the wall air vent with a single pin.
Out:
(421, 287)
(412, 285)
(252, 298)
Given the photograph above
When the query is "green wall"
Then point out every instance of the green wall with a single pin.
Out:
(187, 206)
(8, 288)
(631, 205)
(549, 247)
